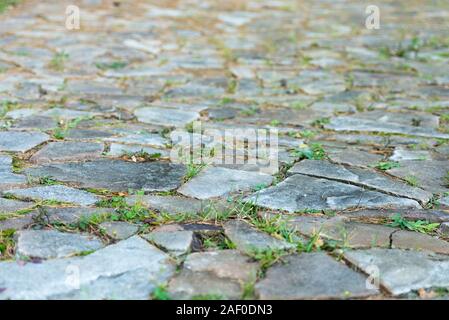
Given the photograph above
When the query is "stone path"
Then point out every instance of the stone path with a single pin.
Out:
(98, 197)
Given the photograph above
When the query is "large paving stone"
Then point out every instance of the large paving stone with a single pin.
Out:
(55, 192)
(402, 271)
(218, 182)
(169, 117)
(312, 276)
(8, 179)
(46, 244)
(410, 214)
(429, 173)
(18, 141)
(298, 193)
(360, 177)
(387, 123)
(167, 204)
(115, 175)
(248, 239)
(68, 151)
(403, 239)
(130, 269)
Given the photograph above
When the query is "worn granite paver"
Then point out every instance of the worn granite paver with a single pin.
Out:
(131, 142)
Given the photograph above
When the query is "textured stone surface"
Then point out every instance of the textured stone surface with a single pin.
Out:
(364, 178)
(299, 193)
(48, 244)
(217, 182)
(119, 230)
(312, 276)
(69, 215)
(130, 269)
(55, 192)
(115, 175)
(402, 271)
(10, 205)
(18, 141)
(248, 239)
(68, 151)
(175, 242)
(164, 117)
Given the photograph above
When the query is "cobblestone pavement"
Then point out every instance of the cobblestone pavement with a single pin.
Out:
(99, 199)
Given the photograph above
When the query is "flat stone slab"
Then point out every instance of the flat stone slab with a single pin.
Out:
(383, 122)
(400, 154)
(16, 223)
(119, 230)
(8, 179)
(410, 214)
(11, 206)
(68, 151)
(21, 141)
(218, 182)
(47, 244)
(129, 269)
(70, 215)
(55, 192)
(175, 242)
(312, 276)
(229, 264)
(403, 239)
(143, 139)
(118, 150)
(115, 175)
(430, 174)
(298, 193)
(360, 177)
(402, 271)
(248, 239)
(169, 117)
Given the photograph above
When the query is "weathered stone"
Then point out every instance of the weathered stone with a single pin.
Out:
(444, 201)
(18, 141)
(165, 117)
(55, 192)
(118, 150)
(11, 206)
(249, 239)
(410, 214)
(218, 182)
(353, 157)
(176, 242)
(69, 215)
(119, 230)
(418, 241)
(191, 285)
(224, 264)
(143, 139)
(312, 276)
(298, 193)
(402, 271)
(430, 173)
(130, 269)
(46, 244)
(403, 154)
(115, 175)
(67, 151)
(16, 223)
(360, 177)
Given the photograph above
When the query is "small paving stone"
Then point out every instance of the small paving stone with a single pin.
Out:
(224, 264)
(298, 193)
(312, 276)
(129, 269)
(118, 150)
(444, 228)
(67, 151)
(444, 201)
(18, 141)
(249, 239)
(418, 241)
(143, 139)
(175, 242)
(16, 223)
(160, 116)
(46, 244)
(115, 175)
(402, 154)
(119, 230)
(410, 214)
(402, 271)
(56, 193)
(218, 182)
(360, 177)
